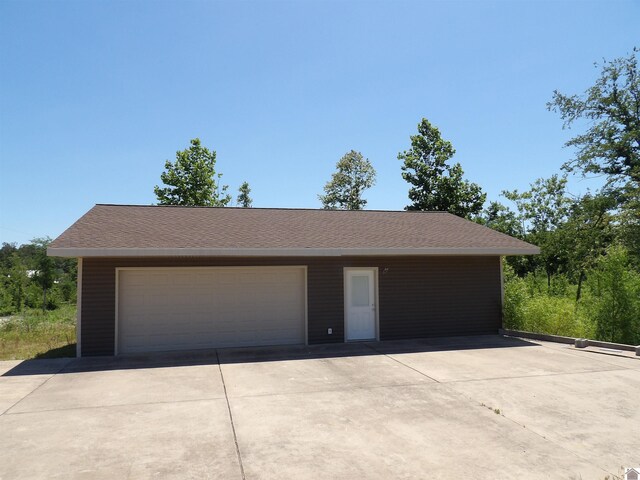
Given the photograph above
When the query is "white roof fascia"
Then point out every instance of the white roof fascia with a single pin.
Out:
(282, 252)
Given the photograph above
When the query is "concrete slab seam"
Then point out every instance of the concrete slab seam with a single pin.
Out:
(330, 390)
(233, 428)
(6, 412)
(559, 445)
(556, 374)
(117, 405)
(401, 363)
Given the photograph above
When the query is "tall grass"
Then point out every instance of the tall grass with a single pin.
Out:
(37, 334)
(608, 310)
(530, 310)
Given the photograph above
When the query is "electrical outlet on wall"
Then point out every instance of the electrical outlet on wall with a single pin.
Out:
(329, 331)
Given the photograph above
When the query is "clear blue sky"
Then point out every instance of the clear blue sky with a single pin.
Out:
(95, 96)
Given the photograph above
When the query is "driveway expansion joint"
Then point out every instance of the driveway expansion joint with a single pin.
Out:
(116, 405)
(533, 431)
(536, 375)
(233, 427)
(6, 412)
(401, 363)
(338, 388)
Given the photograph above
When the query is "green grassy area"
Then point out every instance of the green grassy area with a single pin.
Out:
(608, 308)
(37, 334)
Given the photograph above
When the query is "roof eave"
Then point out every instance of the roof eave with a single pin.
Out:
(283, 252)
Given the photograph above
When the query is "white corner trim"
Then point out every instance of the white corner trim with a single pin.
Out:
(281, 252)
(79, 309)
(501, 260)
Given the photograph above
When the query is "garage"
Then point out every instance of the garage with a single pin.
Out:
(166, 277)
(163, 309)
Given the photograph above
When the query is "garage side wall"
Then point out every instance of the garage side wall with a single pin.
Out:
(418, 296)
(439, 296)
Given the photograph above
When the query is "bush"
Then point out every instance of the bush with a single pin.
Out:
(68, 290)
(543, 313)
(34, 297)
(609, 309)
(614, 301)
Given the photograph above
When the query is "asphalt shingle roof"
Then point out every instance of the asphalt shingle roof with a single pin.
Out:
(106, 230)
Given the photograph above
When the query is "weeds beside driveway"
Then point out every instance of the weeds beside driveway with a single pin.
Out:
(489, 407)
(37, 334)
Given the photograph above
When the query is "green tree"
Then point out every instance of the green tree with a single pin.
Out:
(545, 206)
(6, 254)
(435, 184)
(502, 219)
(543, 209)
(244, 200)
(353, 175)
(616, 298)
(628, 221)
(586, 234)
(611, 108)
(45, 274)
(16, 283)
(192, 179)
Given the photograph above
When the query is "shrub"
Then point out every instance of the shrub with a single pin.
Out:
(609, 309)
(557, 316)
(530, 304)
(614, 301)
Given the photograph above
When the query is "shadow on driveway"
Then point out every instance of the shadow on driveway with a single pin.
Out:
(260, 354)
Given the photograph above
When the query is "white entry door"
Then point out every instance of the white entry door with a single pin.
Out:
(360, 305)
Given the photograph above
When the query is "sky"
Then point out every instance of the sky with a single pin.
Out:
(95, 96)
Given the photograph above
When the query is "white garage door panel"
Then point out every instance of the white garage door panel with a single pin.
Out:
(186, 308)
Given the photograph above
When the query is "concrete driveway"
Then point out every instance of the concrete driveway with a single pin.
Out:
(468, 407)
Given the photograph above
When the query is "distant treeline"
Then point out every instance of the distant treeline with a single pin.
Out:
(30, 279)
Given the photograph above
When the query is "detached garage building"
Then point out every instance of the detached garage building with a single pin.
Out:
(160, 278)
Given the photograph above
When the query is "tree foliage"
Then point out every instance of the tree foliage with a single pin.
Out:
(611, 108)
(192, 179)
(436, 184)
(628, 220)
(616, 298)
(572, 232)
(243, 199)
(28, 278)
(502, 219)
(354, 174)
(44, 275)
(544, 206)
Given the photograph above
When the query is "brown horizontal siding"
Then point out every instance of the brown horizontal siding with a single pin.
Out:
(98, 308)
(325, 301)
(418, 296)
(439, 296)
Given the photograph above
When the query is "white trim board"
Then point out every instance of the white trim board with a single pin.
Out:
(281, 252)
